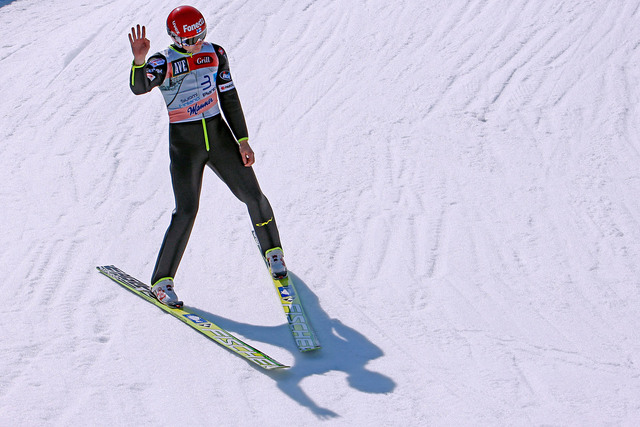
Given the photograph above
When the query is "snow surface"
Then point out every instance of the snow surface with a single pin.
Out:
(456, 184)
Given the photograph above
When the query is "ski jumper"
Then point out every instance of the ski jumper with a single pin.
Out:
(196, 89)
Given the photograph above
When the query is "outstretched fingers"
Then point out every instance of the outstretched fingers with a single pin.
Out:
(137, 33)
(139, 43)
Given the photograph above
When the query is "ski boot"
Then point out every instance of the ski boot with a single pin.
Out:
(277, 267)
(163, 291)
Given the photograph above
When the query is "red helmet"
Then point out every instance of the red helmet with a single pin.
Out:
(186, 25)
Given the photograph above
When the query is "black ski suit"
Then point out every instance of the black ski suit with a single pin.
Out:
(196, 88)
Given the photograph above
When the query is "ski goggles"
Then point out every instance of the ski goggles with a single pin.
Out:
(191, 41)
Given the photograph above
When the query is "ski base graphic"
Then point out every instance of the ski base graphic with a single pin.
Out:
(205, 327)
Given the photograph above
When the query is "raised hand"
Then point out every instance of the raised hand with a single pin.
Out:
(139, 44)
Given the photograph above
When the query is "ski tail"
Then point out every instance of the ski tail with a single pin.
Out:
(303, 334)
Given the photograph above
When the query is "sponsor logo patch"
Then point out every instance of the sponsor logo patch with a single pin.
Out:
(226, 87)
(180, 66)
(225, 75)
(203, 59)
(156, 62)
(188, 99)
(197, 108)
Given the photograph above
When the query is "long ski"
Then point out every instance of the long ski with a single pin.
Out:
(301, 330)
(205, 327)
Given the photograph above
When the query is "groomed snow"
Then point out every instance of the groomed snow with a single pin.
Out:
(457, 188)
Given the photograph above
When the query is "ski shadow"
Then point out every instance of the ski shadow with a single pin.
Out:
(343, 349)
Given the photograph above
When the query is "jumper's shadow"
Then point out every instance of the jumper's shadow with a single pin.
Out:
(343, 349)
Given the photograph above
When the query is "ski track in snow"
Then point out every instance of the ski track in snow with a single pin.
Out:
(455, 184)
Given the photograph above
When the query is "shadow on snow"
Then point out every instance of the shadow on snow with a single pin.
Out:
(343, 349)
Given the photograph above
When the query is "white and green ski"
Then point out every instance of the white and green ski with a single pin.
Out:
(301, 330)
(205, 327)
